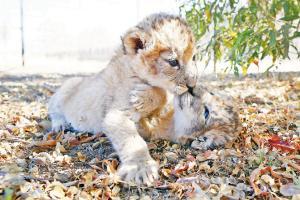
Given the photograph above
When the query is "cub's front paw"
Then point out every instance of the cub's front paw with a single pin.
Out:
(144, 172)
(208, 142)
(139, 98)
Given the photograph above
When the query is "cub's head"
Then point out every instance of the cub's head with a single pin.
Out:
(200, 110)
(160, 49)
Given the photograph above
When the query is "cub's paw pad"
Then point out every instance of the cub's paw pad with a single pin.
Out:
(140, 173)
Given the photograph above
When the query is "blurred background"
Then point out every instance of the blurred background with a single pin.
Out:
(75, 36)
(67, 36)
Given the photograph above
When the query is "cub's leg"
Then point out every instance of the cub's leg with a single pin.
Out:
(58, 122)
(136, 163)
(57, 101)
(147, 99)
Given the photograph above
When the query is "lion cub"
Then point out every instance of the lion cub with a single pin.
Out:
(153, 54)
(208, 119)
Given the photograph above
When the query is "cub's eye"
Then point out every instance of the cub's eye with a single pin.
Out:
(206, 112)
(173, 62)
(194, 58)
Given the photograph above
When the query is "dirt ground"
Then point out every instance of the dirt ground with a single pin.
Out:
(263, 163)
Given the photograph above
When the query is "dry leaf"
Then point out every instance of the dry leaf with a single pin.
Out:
(57, 193)
(81, 157)
(166, 172)
(115, 191)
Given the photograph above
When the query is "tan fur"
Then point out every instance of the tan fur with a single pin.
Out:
(185, 122)
(148, 101)
(158, 125)
(106, 102)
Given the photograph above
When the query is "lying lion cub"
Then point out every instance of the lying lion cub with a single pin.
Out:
(154, 54)
(207, 118)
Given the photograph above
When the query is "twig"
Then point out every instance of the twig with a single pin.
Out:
(68, 184)
(16, 140)
(28, 178)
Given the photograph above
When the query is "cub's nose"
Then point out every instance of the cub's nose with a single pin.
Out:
(190, 90)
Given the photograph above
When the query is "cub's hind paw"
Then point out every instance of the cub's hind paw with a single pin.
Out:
(140, 173)
(58, 122)
(57, 127)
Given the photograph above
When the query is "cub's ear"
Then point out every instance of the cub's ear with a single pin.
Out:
(134, 40)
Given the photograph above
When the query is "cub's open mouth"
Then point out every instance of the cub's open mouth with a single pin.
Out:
(190, 90)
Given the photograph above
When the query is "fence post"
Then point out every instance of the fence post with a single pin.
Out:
(22, 32)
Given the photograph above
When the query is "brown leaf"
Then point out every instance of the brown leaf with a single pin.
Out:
(115, 191)
(207, 155)
(190, 157)
(179, 169)
(257, 173)
(111, 166)
(57, 193)
(45, 143)
(275, 141)
(253, 99)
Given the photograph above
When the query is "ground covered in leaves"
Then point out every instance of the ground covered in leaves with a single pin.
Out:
(263, 163)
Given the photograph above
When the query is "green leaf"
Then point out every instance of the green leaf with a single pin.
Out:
(272, 43)
(242, 33)
(290, 18)
(285, 34)
(296, 35)
(241, 38)
(208, 13)
(236, 70)
(202, 28)
(244, 70)
(231, 3)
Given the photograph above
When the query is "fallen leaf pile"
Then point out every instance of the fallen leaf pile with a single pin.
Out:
(263, 163)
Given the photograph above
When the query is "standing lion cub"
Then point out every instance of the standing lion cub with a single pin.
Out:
(154, 54)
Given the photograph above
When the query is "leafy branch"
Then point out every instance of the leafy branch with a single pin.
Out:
(242, 34)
